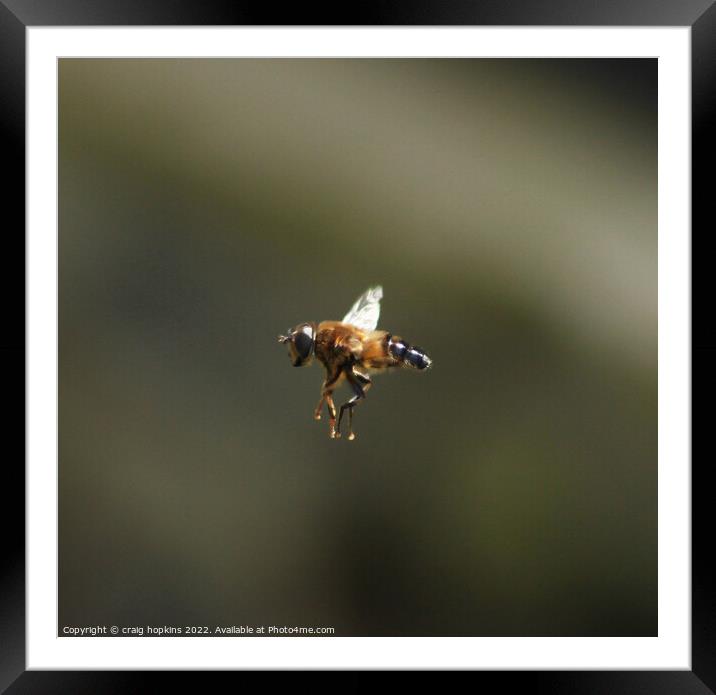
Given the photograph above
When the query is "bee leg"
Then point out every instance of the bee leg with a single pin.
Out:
(317, 410)
(360, 383)
(333, 432)
(327, 397)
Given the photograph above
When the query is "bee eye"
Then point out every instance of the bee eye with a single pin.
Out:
(300, 344)
(304, 344)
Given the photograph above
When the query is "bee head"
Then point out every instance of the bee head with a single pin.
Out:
(300, 341)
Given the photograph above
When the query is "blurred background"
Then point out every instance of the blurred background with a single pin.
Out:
(508, 208)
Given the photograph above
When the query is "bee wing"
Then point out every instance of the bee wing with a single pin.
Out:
(365, 312)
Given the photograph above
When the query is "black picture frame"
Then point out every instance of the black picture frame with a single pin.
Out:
(17, 15)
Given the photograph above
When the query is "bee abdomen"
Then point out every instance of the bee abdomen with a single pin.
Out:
(404, 353)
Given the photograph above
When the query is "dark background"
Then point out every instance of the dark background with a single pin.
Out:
(508, 207)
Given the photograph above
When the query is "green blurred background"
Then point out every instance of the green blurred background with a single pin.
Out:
(509, 209)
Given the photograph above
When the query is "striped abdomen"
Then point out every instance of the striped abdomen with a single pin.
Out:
(408, 354)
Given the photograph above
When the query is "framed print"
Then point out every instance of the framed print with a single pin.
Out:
(501, 201)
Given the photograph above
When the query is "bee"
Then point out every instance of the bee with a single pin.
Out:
(348, 350)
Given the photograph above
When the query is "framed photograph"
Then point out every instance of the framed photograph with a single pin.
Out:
(473, 231)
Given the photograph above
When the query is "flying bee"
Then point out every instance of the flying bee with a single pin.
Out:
(348, 349)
